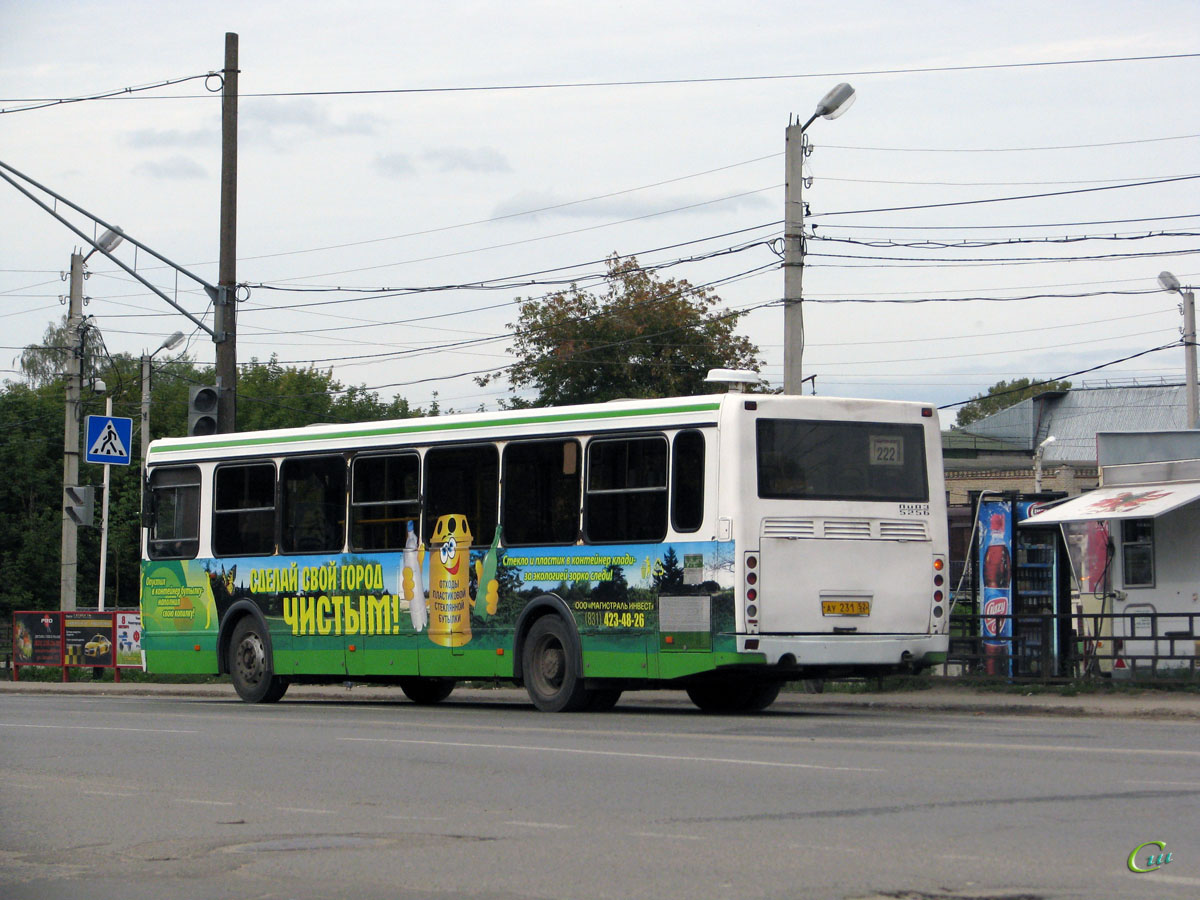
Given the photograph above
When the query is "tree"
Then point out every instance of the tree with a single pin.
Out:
(642, 338)
(1002, 395)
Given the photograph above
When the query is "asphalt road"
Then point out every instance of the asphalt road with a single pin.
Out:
(185, 795)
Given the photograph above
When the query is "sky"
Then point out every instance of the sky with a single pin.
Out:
(387, 149)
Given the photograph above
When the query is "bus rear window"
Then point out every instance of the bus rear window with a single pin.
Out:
(802, 459)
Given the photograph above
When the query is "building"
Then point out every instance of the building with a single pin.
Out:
(998, 453)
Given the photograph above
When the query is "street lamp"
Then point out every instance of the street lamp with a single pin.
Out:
(169, 344)
(69, 571)
(1037, 462)
(1169, 282)
(832, 105)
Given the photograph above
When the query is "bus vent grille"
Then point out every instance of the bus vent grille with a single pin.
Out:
(848, 529)
(789, 528)
(903, 531)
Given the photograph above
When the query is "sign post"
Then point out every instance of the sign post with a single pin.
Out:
(108, 442)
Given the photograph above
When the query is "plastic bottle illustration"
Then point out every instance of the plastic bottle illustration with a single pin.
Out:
(450, 582)
(413, 583)
(997, 596)
(487, 592)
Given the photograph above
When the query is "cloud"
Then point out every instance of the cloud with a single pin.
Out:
(538, 205)
(281, 122)
(173, 167)
(395, 165)
(468, 159)
(153, 138)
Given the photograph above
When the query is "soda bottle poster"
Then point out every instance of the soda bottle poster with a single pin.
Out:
(995, 567)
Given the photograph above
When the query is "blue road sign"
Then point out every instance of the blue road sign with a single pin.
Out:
(109, 440)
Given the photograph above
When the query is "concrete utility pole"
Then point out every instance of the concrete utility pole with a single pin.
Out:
(1187, 296)
(832, 105)
(226, 304)
(70, 531)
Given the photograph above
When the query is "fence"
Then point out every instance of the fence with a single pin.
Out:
(1149, 647)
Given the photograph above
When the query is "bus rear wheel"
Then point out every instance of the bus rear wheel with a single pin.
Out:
(426, 691)
(734, 696)
(254, 677)
(551, 668)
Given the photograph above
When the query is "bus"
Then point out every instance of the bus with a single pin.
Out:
(723, 545)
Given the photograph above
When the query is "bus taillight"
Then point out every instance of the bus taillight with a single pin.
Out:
(939, 564)
(751, 592)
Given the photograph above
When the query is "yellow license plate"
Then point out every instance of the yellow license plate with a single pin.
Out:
(845, 607)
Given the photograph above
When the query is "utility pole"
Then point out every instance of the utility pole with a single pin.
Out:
(226, 303)
(70, 531)
(793, 260)
(1189, 348)
(832, 105)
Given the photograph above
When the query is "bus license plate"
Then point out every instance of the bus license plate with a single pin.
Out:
(845, 607)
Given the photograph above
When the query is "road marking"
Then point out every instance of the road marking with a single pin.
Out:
(301, 809)
(100, 728)
(618, 754)
(537, 824)
(110, 793)
(418, 818)
(1168, 783)
(203, 802)
(667, 837)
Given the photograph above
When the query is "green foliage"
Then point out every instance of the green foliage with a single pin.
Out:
(31, 457)
(641, 338)
(1002, 395)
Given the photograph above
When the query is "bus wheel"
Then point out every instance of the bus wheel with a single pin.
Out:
(552, 675)
(736, 696)
(253, 677)
(426, 691)
(603, 699)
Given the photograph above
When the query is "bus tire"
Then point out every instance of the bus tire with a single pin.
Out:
(551, 667)
(735, 696)
(426, 691)
(603, 699)
(249, 664)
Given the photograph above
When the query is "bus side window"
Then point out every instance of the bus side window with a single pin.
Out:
(463, 481)
(687, 481)
(541, 493)
(244, 510)
(385, 497)
(626, 490)
(314, 504)
(174, 495)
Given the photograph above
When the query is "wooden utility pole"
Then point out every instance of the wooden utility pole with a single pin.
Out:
(226, 305)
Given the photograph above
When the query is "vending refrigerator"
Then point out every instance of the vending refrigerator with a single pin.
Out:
(1019, 582)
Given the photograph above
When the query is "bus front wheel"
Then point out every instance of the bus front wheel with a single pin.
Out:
(551, 668)
(254, 677)
(734, 696)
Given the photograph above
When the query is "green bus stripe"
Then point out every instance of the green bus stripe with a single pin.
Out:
(293, 438)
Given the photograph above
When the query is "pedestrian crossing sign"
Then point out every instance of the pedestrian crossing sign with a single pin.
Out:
(108, 440)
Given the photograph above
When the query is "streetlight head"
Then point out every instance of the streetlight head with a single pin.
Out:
(836, 102)
(110, 239)
(1050, 440)
(1167, 281)
(172, 342)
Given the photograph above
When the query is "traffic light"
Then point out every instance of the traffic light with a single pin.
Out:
(80, 503)
(202, 410)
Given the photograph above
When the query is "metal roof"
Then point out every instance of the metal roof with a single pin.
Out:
(1074, 417)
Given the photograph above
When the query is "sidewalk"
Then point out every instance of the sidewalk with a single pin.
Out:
(967, 700)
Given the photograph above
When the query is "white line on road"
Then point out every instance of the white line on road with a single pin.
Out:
(612, 753)
(110, 793)
(203, 802)
(100, 728)
(418, 818)
(301, 809)
(537, 824)
(668, 837)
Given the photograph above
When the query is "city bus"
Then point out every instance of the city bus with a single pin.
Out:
(724, 545)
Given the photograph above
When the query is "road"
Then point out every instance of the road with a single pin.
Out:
(197, 797)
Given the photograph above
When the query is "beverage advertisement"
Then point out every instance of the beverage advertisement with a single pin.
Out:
(995, 566)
